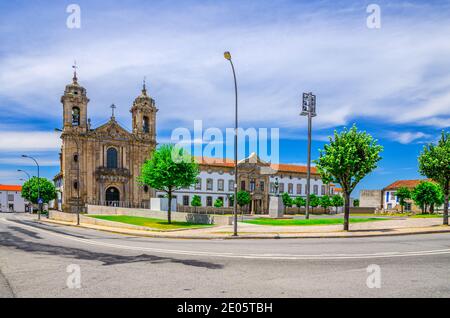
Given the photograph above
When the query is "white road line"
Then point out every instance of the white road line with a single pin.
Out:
(234, 255)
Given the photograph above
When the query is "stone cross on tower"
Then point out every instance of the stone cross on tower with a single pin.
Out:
(74, 66)
(112, 110)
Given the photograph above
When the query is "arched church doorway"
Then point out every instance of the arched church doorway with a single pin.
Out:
(112, 196)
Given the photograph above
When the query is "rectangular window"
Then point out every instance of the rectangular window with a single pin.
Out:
(299, 188)
(252, 185)
(198, 185)
(185, 200)
(261, 186)
(243, 185)
(220, 185)
(209, 201)
(322, 191)
(281, 185)
(316, 189)
(10, 197)
(290, 188)
(230, 185)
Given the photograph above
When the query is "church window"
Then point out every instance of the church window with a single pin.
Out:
(75, 157)
(111, 158)
(75, 116)
(75, 185)
(146, 188)
(145, 125)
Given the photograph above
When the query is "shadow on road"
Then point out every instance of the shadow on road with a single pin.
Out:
(10, 240)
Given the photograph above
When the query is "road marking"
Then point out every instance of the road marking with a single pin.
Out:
(269, 256)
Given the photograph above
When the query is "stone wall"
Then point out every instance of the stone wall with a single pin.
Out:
(176, 216)
(370, 199)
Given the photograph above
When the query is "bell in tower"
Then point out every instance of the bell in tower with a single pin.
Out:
(75, 103)
(144, 115)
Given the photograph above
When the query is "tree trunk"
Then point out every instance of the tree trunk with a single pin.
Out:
(446, 194)
(346, 211)
(402, 207)
(169, 208)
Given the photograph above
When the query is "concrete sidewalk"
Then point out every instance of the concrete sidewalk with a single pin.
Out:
(405, 226)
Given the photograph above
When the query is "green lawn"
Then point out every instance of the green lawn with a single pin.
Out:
(330, 221)
(427, 216)
(149, 222)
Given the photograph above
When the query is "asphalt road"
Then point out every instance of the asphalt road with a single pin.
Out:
(35, 259)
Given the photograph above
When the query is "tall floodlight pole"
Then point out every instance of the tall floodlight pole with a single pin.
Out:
(78, 172)
(227, 56)
(39, 186)
(308, 109)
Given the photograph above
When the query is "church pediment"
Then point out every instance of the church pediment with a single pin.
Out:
(112, 129)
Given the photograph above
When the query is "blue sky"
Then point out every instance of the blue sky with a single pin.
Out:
(392, 82)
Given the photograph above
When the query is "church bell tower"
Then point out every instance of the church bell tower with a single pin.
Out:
(144, 116)
(75, 103)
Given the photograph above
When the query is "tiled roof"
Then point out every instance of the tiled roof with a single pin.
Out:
(9, 187)
(405, 183)
(220, 162)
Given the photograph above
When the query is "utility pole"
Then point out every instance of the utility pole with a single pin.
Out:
(308, 109)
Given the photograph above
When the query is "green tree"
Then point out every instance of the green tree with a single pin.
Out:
(287, 201)
(196, 201)
(325, 202)
(46, 187)
(169, 169)
(337, 201)
(427, 194)
(346, 160)
(356, 202)
(314, 201)
(434, 162)
(218, 203)
(299, 202)
(403, 194)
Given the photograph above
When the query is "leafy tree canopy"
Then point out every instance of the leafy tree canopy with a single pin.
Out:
(427, 193)
(170, 168)
(287, 200)
(196, 201)
(348, 158)
(30, 190)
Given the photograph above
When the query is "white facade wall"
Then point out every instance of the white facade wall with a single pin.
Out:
(286, 180)
(17, 204)
(215, 193)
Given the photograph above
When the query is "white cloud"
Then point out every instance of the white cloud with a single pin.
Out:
(354, 71)
(408, 137)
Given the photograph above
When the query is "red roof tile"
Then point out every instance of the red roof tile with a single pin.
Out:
(405, 183)
(8, 187)
(221, 162)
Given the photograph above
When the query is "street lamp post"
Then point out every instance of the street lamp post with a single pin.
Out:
(28, 179)
(78, 175)
(227, 56)
(39, 186)
(308, 109)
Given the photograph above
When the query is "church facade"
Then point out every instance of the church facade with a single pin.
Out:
(101, 165)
